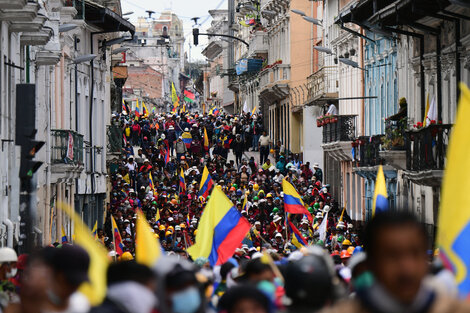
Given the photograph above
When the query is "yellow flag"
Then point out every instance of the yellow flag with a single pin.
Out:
(147, 250)
(157, 216)
(95, 289)
(380, 200)
(94, 231)
(254, 110)
(454, 214)
(426, 111)
(342, 213)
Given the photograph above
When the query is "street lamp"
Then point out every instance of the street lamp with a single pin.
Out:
(120, 50)
(301, 13)
(323, 49)
(350, 63)
(128, 13)
(312, 20)
(268, 12)
(66, 27)
(84, 58)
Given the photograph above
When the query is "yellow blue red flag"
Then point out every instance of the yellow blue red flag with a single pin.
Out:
(187, 139)
(454, 214)
(147, 250)
(380, 201)
(118, 244)
(206, 183)
(221, 230)
(182, 182)
(293, 203)
(64, 236)
(206, 140)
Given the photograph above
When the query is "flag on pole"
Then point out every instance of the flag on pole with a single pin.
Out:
(206, 183)
(454, 216)
(380, 202)
(189, 96)
(124, 108)
(145, 111)
(221, 230)
(137, 108)
(118, 245)
(292, 202)
(64, 236)
(432, 113)
(152, 185)
(182, 182)
(95, 289)
(174, 96)
(245, 107)
(147, 247)
(323, 227)
(254, 110)
(94, 231)
(297, 239)
(157, 216)
(206, 140)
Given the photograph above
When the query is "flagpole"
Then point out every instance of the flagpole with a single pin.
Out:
(114, 241)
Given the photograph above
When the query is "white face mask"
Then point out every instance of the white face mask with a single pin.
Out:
(11, 273)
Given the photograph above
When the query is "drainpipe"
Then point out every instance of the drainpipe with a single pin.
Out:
(10, 230)
(457, 59)
(27, 65)
(439, 75)
(421, 76)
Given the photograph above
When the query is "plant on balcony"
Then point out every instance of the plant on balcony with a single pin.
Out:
(394, 138)
(418, 125)
(320, 121)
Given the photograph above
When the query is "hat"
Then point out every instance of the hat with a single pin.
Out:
(278, 235)
(319, 215)
(126, 221)
(277, 218)
(316, 165)
(186, 129)
(257, 223)
(171, 128)
(72, 261)
(177, 227)
(146, 160)
(8, 255)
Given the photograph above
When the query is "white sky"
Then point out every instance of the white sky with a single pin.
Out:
(185, 9)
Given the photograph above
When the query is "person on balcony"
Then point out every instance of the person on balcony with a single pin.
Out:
(332, 110)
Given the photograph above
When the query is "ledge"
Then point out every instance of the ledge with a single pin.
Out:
(432, 178)
(46, 57)
(339, 150)
(12, 4)
(39, 38)
(27, 14)
(396, 158)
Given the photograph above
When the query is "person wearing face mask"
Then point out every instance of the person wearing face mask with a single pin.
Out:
(131, 289)
(68, 270)
(8, 259)
(178, 290)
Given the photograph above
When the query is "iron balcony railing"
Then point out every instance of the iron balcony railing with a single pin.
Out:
(66, 147)
(339, 128)
(323, 83)
(426, 147)
(368, 148)
(115, 139)
(394, 138)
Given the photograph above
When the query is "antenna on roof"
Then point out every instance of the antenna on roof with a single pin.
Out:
(150, 12)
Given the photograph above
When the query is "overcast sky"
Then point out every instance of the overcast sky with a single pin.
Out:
(185, 9)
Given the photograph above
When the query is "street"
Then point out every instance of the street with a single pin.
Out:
(234, 156)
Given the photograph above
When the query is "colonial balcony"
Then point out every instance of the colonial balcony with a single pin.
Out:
(66, 153)
(322, 85)
(426, 154)
(258, 44)
(338, 133)
(366, 156)
(25, 14)
(394, 150)
(12, 4)
(115, 139)
(274, 82)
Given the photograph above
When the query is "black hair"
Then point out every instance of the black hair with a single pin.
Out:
(225, 269)
(235, 294)
(396, 218)
(129, 271)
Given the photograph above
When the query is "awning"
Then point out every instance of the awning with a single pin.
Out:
(103, 18)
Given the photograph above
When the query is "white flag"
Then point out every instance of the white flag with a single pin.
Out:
(322, 227)
(432, 112)
(245, 108)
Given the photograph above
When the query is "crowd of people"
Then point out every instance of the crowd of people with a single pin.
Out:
(320, 260)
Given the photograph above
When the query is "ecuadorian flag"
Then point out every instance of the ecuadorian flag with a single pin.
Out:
(221, 230)
(182, 182)
(119, 246)
(292, 202)
(297, 239)
(187, 139)
(206, 183)
(64, 236)
(454, 214)
(206, 140)
(380, 202)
